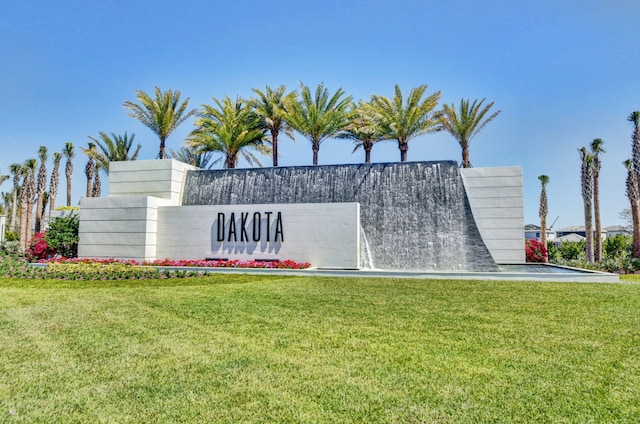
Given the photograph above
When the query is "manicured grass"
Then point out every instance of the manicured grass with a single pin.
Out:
(239, 348)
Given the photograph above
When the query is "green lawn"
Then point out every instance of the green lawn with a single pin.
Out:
(237, 348)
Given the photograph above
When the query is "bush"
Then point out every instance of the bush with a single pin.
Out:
(11, 236)
(572, 250)
(38, 248)
(618, 246)
(62, 236)
(535, 251)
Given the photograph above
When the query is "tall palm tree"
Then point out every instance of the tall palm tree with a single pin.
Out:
(633, 194)
(634, 118)
(230, 128)
(465, 122)
(69, 155)
(90, 167)
(596, 150)
(16, 170)
(363, 130)
(27, 200)
(586, 174)
(270, 106)
(318, 116)
(543, 210)
(41, 186)
(402, 121)
(191, 156)
(53, 183)
(162, 114)
(114, 149)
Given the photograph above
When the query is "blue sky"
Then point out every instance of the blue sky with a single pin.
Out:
(562, 72)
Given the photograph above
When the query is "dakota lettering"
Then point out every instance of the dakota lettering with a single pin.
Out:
(268, 225)
(232, 227)
(279, 227)
(243, 226)
(257, 220)
(220, 232)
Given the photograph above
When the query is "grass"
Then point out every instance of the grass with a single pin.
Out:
(242, 348)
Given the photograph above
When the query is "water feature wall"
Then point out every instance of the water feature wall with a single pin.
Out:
(415, 215)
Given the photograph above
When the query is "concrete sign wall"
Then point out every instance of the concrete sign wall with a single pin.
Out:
(326, 235)
(496, 198)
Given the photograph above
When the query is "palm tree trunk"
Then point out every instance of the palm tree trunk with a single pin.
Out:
(466, 163)
(596, 217)
(543, 235)
(635, 217)
(68, 172)
(367, 154)
(274, 143)
(14, 211)
(404, 148)
(316, 149)
(588, 231)
(162, 154)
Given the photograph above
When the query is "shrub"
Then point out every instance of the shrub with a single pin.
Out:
(38, 248)
(572, 250)
(535, 251)
(11, 236)
(618, 246)
(62, 236)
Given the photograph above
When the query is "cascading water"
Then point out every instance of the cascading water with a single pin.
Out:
(416, 215)
(366, 259)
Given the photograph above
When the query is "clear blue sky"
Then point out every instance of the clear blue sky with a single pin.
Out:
(563, 72)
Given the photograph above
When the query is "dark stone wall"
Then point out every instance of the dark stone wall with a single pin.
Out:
(415, 215)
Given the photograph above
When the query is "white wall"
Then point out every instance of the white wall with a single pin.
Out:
(326, 235)
(496, 198)
(119, 227)
(157, 178)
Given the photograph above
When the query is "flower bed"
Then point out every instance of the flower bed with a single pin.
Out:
(199, 263)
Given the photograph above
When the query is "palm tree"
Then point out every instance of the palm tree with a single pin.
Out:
(318, 116)
(404, 121)
(634, 180)
(3, 178)
(41, 186)
(53, 183)
(90, 167)
(586, 174)
(113, 149)
(596, 149)
(230, 128)
(191, 156)
(162, 114)
(68, 154)
(27, 199)
(270, 106)
(543, 210)
(363, 130)
(633, 194)
(465, 122)
(16, 170)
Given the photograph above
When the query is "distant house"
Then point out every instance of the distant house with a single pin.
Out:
(579, 230)
(532, 231)
(569, 238)
(614, 230)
